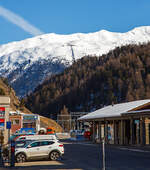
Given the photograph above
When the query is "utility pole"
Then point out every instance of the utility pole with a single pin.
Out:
(103, 151)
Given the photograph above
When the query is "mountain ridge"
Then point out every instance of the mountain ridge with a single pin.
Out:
(20, 60)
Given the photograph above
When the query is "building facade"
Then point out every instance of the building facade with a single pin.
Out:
(4, 116)
(23, 122)
(123, 124)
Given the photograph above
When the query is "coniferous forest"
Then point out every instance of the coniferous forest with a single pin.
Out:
(93, 82)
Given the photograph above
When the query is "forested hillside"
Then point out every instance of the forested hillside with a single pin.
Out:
(92, 82)
(16, 104)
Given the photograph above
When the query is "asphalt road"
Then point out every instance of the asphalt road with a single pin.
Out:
(86, 156)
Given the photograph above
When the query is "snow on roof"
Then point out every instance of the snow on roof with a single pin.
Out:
(114, 110)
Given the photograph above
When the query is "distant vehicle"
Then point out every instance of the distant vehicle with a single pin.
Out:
(38, 137)
(50, 130)
(17, 135)
(39, 149)
(87, 135)
(47, 131)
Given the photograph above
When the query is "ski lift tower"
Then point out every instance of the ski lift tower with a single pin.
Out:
(72, 52)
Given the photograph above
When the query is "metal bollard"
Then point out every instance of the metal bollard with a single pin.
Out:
(12, 160)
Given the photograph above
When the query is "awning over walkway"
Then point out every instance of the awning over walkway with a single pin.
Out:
(115, 110)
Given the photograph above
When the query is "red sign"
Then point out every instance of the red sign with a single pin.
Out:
(2, 111)
(2, 120)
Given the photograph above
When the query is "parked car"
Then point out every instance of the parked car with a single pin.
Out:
(87, 135)
(39, 149)
(15, 136)
(37, 137)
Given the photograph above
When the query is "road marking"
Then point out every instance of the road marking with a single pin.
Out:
(134, 150)
(92, 144)
(88, 144)
(79, 143)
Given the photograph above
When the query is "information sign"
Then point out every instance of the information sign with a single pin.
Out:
(8, 125)
(2, 112)
(30, 118)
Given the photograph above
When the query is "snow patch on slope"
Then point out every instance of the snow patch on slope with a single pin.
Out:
(19, 61)
(55, 46)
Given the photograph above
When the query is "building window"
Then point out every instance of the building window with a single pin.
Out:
(15, 122)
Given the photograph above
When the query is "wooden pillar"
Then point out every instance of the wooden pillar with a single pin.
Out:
(131, 131)
(99, 131)
(93, 136)
(147, 123)
(106, 132)
(122, 133)
(142, 131)
(138, 132)
(114, 131)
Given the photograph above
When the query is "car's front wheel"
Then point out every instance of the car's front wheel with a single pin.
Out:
(54, 155)
(21, 157)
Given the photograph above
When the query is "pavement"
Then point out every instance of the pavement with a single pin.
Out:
(84, 155)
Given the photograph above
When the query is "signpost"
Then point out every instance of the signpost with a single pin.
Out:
(103, 151)
(12, 163)
(8, 125)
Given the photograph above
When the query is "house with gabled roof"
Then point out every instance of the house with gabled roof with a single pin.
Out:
(125, 123)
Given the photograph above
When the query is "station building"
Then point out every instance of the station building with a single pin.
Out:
(122, 124)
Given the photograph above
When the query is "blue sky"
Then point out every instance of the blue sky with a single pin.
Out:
(72, 16)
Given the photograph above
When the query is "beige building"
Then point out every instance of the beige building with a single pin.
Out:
(4, 116)
(123, 124)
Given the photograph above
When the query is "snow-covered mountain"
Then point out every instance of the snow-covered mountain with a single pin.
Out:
(26, 63)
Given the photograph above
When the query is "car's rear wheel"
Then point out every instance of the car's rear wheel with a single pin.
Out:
(21, 157)
(54, 155)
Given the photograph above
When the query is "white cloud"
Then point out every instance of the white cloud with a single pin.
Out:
(19, 21)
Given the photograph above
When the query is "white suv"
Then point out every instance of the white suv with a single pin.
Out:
(39, 149)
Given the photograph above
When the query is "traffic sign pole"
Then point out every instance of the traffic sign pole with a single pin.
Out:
(103, 149)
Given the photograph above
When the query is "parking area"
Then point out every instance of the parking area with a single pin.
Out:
(88, 156)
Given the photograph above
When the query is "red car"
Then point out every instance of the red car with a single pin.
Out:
(87, 134)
